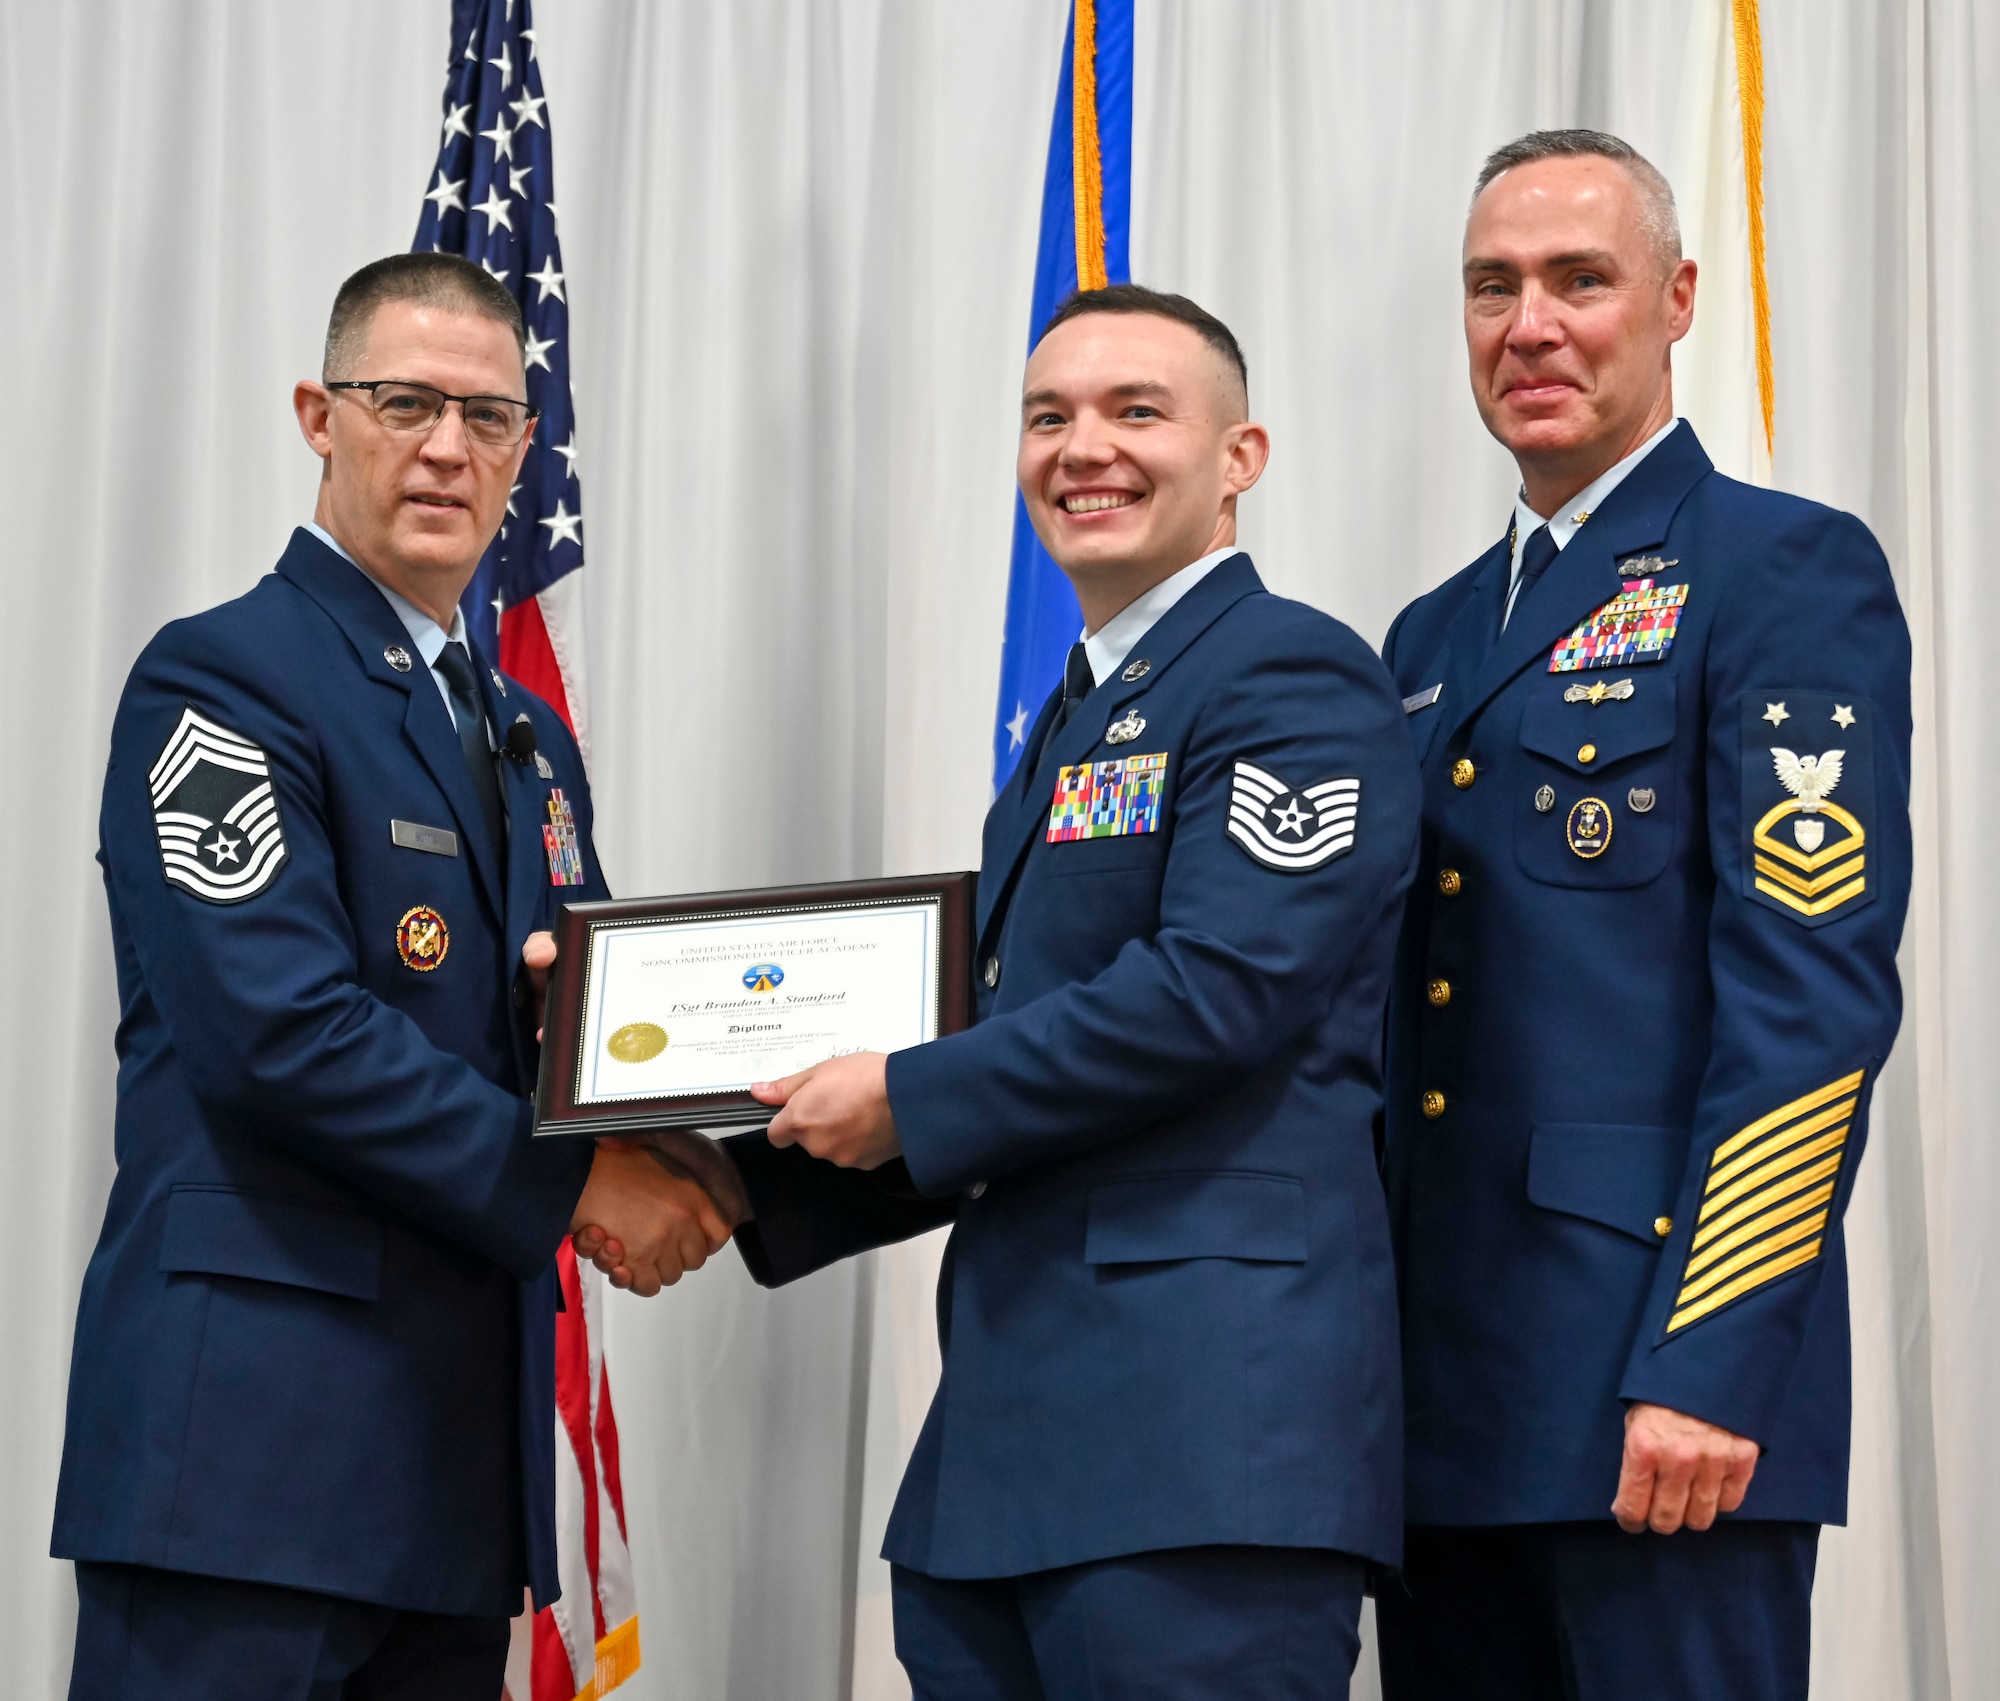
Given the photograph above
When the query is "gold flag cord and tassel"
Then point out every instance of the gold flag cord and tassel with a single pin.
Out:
(1750, 99)
(1088, 169)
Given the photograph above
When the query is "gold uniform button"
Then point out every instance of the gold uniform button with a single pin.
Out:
(1663, 1226)
(1434, 1104)
(1463, 773)
(1449, 882)
(1439, 993)
(1587, 754)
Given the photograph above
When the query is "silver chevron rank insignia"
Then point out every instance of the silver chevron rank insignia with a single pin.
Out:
(221, 837)
(1292, 829)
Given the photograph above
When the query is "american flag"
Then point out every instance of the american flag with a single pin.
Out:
(493, 201)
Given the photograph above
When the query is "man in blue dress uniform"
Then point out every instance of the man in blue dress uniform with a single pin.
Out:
(1166, 1438)
(310, 1440)
(1645, 988)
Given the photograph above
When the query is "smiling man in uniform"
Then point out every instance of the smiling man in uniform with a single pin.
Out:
(1165, 1441)
(1646, 986)
(309, 1453)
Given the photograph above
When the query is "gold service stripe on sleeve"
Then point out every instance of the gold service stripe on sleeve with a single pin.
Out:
(1724, 1175)
(1087, 167)
(1767, 1199)
(1805, 1229)
(1785, 1112)
(1754, 1183)
(1743, 1284)
(1774, 1216)
(1795, 1182)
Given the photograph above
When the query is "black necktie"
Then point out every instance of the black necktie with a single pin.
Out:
(1535, 559)
(1078, 682)
(470, 716)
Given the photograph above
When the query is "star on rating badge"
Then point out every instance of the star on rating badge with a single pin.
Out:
(1294, 829)
(221, 837)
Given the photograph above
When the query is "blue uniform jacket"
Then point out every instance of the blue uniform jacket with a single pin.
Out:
(1646, 983)
(1166, 1310)
(315, 1344)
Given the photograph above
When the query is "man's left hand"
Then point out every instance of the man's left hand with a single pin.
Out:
(1679, 1470)
(837, 1110)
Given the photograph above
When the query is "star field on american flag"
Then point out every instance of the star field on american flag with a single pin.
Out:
(492, 199)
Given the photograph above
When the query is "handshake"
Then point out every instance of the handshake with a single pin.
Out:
(656, 1206)
(662, 1203)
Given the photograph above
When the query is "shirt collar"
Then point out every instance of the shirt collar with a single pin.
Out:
(1112, 642)
(1586, 501)
(429, 637)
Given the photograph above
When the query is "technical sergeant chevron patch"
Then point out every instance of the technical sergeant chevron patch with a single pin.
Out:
(1294, 830)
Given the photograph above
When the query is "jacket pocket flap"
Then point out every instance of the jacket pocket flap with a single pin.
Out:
(1618, 1174)
(1613, 729)
(1147, 1219)
(220, 1231)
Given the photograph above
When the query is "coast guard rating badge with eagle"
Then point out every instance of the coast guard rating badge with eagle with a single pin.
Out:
(1293, 829)
(220, 834)
(1808, 802)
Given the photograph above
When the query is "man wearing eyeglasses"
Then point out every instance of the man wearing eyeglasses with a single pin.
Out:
(310, 1437)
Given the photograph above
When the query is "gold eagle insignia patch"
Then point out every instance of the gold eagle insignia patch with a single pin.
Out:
(1808, 855)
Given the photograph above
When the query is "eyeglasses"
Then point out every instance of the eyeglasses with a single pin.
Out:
(497, 421)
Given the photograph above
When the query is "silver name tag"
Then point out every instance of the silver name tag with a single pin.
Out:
(439, 841)
(1423, 699)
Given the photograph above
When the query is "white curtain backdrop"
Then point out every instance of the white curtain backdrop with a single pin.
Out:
(800, 238)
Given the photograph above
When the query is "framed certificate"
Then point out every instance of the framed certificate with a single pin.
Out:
(662, 1011)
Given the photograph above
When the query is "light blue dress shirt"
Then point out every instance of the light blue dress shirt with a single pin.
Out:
(425, 633)
(1119, 636)
(1564, 526)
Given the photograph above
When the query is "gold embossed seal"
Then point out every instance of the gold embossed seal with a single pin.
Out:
(637, 1042)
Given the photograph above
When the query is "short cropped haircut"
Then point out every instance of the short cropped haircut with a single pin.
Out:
(1137, 298)
(442, 281)
(1656, 196)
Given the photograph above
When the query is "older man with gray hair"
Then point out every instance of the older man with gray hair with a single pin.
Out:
(1645, 985)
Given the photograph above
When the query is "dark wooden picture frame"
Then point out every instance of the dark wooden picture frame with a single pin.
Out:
(556, 1107)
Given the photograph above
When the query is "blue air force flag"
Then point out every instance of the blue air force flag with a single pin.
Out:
(1085, 244)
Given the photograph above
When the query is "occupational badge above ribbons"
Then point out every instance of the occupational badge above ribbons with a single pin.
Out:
(221, 837)
(1808, 802)
(663, 1011)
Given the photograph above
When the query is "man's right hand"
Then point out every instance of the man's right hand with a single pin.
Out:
(665, 1224)
(681, 1152)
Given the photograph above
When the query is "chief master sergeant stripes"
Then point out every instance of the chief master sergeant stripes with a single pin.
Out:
(215, 812)
(1645, 986)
